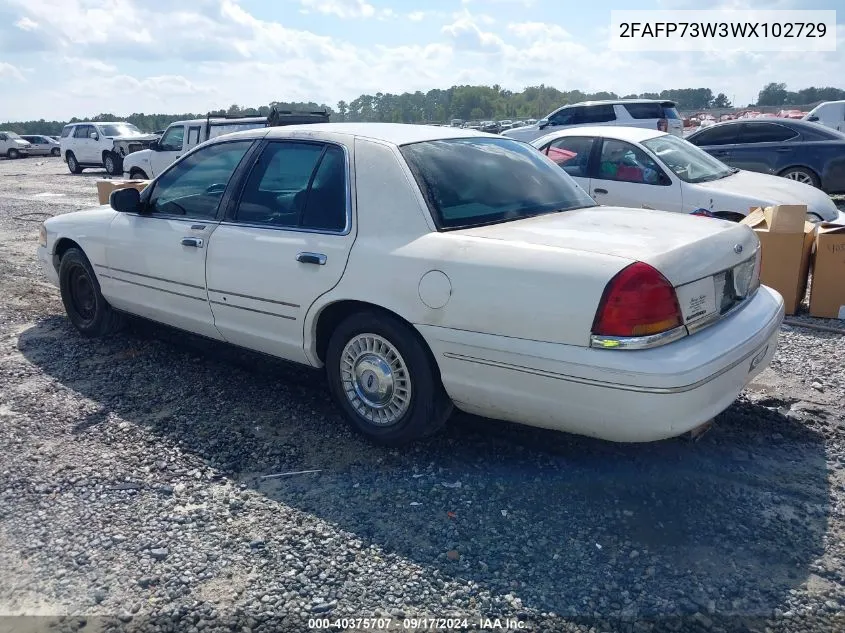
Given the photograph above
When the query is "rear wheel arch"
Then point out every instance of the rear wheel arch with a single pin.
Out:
(813, 173)
(333, 314)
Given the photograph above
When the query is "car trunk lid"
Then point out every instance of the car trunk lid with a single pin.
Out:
(682, 247)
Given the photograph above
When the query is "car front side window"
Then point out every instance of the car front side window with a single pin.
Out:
(193, 187)
(172, 139)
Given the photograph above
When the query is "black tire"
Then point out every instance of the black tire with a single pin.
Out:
(87, 309)
(138, 174)
(73, 164)
(55, 151)
(429, 406)
(111, 162)
(803, 175)
(13, 153)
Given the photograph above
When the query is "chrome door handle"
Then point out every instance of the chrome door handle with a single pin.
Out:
(196, 242)
(599, 190)
(311, 258)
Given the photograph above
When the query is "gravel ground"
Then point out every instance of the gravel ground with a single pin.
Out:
(132, 498)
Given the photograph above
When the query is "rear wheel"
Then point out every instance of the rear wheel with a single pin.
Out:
(85, 305)
(55, 151)
(802, 175)
(384, 380)
(13, 153)
(73, 164)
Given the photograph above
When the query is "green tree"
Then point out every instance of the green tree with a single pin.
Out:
(721, 101)
(772, 94)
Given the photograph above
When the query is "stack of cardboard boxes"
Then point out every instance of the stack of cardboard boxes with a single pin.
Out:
(105, 187)
(791, 245)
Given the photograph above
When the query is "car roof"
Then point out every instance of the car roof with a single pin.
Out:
(619, 132)
(617, 102)
(99, 123)
(793, 124)
(395, 133)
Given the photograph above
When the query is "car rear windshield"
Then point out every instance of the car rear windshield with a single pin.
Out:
(122, 129)
(475, 181)
(670, 111)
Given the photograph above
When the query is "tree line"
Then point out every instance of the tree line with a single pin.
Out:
(458, 102)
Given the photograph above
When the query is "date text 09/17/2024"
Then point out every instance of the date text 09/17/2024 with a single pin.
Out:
(417, 624)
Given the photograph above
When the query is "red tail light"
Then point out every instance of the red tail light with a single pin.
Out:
(638, 301)
(663, 125)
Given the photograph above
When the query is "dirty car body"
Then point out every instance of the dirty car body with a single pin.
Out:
(425, 268)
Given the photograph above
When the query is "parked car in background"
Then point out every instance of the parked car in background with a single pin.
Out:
(655, 115)
(505, 125)
(491, 127)
(101, 144)
(485, 226)
(830, 114)
(42, 145)
(635, 167)
(472, 125)
(182, 136)
(806, 152)
(13, 146)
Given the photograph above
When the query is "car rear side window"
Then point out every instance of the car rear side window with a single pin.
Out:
(644, 110)
(572, 153)
(670, 111)
(765, 133)
(721, 135)
(475, 181)
(66, 130)
(597, 114)
(296, 185)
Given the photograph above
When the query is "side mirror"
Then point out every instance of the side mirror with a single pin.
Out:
(543, 124)
(813, 118)
(126, 200)
(154, 146)
(93, 136)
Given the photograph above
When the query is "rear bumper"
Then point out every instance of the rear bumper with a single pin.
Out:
(629, 396)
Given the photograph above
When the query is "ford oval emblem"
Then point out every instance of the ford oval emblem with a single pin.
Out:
(738, 249)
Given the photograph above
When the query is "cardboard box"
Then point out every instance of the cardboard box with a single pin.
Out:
(827, 294)
(105, 187)
(786, 247)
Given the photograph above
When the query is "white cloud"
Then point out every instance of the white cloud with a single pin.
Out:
(466, 35)
(416, 16)
(212, 53)
(25, 24)
(344, 9)
(8, 70)
(534, 30)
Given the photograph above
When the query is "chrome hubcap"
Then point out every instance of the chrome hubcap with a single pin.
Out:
(800, 176)
(375, 379)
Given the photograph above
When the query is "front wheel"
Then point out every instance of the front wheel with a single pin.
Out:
(85, 305)
(111, 163)
(138, 174)
(802, 175)
(384, 379)
(13, 153)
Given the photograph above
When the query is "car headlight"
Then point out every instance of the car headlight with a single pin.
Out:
(42, 235)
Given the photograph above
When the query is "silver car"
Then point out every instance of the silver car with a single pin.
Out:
(42, 145)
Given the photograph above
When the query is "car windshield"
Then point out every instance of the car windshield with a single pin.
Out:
(120, 129)
(475, 181)
(687, 162)
(11, 134)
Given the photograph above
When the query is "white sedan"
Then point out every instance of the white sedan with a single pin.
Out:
(426, 267)
(636, 167)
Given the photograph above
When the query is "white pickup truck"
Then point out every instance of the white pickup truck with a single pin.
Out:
(182, 136)
(829, 113)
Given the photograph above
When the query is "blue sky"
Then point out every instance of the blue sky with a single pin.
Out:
(60, 58)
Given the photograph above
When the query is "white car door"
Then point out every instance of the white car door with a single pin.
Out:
(625, 176)
(83, 144)
(572, 153)
(284, 243)
(169, 149)
(155, 260)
